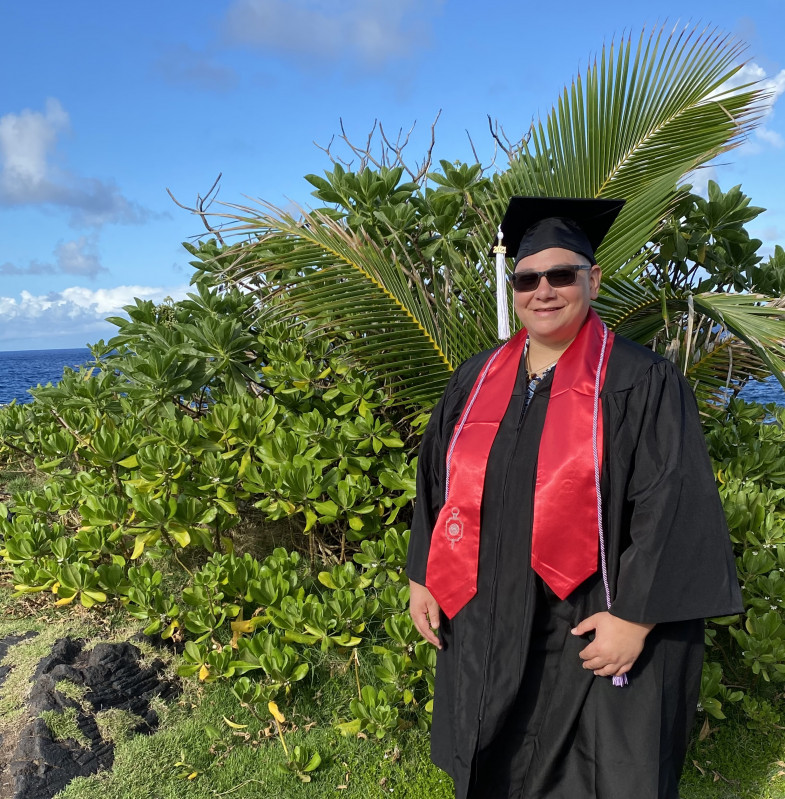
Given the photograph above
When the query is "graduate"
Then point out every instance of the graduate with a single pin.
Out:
(567, 543)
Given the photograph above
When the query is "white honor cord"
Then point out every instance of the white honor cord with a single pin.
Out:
(617, 681)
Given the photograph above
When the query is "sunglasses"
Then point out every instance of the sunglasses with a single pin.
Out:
(558, 277)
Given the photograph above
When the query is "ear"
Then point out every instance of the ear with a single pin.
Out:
(595, 276)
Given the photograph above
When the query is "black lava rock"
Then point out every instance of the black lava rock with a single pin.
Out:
(112, 678)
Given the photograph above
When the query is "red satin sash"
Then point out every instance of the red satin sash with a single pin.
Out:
(565, 533)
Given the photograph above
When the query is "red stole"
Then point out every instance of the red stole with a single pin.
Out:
(565, 528)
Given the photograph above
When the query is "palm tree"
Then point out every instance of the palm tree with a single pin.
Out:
(401, 269)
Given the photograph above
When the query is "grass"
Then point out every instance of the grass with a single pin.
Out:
(71, 690)
(195, 754)
(63, 726)
(247, 762)
(118, 725)
(735, 762)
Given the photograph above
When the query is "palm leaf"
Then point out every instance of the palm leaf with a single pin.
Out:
(325, 274)
(754, 320)
(641, 119)
(719, 365)
(738, 335)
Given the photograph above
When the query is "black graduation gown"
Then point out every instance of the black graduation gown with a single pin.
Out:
(515, 714)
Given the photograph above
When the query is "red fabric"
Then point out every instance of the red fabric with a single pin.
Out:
(451, 574)
(565, 529)
(563, 553)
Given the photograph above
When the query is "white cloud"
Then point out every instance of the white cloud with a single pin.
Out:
(30, 173)
(770, 137)
(700, 180)
(78, 257)
(184, 66)
(373, 32)
(773, 86)
(74, 312)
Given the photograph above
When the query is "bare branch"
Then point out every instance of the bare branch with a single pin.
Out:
(327, 148)
(504, 145)
(202, 206)
(474, 149)
(426, 164)
(364, 154)
(389, 152)
(510, 148)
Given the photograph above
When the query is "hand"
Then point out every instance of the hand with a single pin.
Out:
(616, 646)
(424, 611)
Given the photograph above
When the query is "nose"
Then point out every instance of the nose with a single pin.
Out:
(544, 290)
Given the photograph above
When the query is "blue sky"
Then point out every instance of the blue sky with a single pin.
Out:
(104, 105)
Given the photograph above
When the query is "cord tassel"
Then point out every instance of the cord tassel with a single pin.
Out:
(502, 310)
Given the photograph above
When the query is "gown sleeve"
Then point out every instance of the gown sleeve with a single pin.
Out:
(679, 563)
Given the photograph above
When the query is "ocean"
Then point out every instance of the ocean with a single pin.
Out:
(21, 370)
(25, 369)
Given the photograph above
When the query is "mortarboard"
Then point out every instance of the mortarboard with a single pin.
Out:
(532, 224)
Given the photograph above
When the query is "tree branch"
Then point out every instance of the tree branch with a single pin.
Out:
(202, 206)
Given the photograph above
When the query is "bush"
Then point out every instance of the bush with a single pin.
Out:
(194, 423)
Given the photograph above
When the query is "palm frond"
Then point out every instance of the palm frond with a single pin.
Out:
(327, 274)
(719, 364)
(754, 320)
(643, 117)
(737, 336)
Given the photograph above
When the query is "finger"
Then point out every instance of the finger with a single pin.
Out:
(607, 671)
(595, 663)
(586, 626)
(423, 627)
(588, 652)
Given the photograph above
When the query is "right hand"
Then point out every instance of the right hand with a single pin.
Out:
(424, 611)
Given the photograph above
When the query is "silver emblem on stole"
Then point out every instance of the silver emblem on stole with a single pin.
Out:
(453, 528)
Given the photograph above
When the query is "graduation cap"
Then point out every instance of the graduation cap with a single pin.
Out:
(532, 224)
(579, 224)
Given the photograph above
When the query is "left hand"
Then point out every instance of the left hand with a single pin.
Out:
(616, 646)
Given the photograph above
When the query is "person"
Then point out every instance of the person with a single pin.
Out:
(567, 542)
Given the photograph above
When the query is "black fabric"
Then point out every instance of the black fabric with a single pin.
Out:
(555, 232)
(579, 224)
(515, 714)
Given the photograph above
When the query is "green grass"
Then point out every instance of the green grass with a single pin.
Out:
(118, 725)
(63, 726)
(15, 480)
(247, 762)
(736, 763)
(193, 739)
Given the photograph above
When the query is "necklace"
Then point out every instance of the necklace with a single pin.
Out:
(541, 370)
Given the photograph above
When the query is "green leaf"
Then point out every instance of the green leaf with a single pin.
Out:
(348, 728)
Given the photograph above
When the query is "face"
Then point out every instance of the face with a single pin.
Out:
(553, 316)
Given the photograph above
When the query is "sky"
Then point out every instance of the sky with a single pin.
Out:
(103, 106)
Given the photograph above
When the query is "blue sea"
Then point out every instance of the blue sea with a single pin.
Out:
(25, 369)
(21, 370)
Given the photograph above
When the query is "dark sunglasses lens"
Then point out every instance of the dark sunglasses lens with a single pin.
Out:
(559, 278)
(525, 281)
